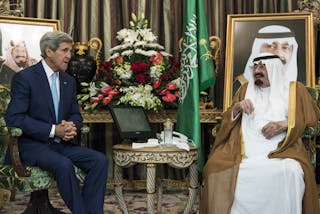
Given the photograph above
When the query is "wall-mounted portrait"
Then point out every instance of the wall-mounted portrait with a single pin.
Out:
(288, 35)
(20, 39)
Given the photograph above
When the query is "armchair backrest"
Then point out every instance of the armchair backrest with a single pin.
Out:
(4, 139)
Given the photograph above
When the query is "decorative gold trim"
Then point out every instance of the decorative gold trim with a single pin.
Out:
(291, 110)
(291, 113)
(11, 9)
(312, 6)
(104, 116)
(96, 44)
(31, 21)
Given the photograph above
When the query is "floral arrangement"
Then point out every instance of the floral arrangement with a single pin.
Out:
(138, 73)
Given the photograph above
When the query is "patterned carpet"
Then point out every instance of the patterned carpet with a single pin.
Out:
(173, 202)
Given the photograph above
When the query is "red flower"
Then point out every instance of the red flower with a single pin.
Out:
(94, 99)
(100, 96)
(156, 59)
(171, 73)
(107, 100)
(173, 62)
(105, 91)
(119, 59)
(139, 66)
(169, 98)
(165, 77)
(106, 66)
(141, 78)
(164, 92)
(156, 84)
(171, 86)
(114, 92)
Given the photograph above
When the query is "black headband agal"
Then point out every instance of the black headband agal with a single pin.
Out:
(265, 57)
(274, 35)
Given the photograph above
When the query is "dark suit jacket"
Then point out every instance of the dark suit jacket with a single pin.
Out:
(31, 107)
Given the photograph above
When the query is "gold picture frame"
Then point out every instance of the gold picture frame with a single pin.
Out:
(28, 29)
(241, 33)
(21, 31)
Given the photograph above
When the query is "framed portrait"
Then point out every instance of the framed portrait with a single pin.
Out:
(288, 35)
(20, 43)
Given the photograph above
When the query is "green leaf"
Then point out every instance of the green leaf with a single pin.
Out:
(84, 84)
(85, 97)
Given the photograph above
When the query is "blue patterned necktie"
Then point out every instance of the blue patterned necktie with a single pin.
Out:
(54, 92)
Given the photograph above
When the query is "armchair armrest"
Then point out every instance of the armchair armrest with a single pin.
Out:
(19, 168)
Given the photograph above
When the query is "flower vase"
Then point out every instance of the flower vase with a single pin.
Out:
(82, 66)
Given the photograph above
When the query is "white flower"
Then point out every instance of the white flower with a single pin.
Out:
(140, 96)
(115, 48)
(177, 82)
(124, 71)
(140, 43)
(122, 34)
(92, 89)
(156, 71)
(132, 36)
(154, 45)
(151, 52)
(145, 53)
(147, 35)
(127, 53)
(104, 84)
(115, 55)
(165, 53)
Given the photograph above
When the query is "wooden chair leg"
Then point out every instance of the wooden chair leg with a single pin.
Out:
(40, 204)
(4, 196)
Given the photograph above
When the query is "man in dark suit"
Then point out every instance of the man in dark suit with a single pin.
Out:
(44, 105)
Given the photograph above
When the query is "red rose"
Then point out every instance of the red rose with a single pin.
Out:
(165, 77)
(119, 59)
(102, 71)
(169, 98)
(141, 78)
(171, 86)
(173, 62)
(176, 93)
(156, 84)
(156, 59)
(139, 66)
(171, 73)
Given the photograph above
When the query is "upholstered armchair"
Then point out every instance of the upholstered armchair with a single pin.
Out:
(17, 177)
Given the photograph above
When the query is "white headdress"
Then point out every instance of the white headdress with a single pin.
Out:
(270, 104)
(275, 33)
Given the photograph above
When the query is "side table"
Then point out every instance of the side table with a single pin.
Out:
(125, 156)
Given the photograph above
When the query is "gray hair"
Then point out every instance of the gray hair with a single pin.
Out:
(52, 41)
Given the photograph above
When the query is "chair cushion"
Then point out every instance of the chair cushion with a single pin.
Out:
(38, 180)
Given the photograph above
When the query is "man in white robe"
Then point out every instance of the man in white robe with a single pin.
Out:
(258, 163)
(264, 125)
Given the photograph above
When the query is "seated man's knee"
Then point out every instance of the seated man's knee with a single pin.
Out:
(102, 161)
(293, 167)
(64, 165)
